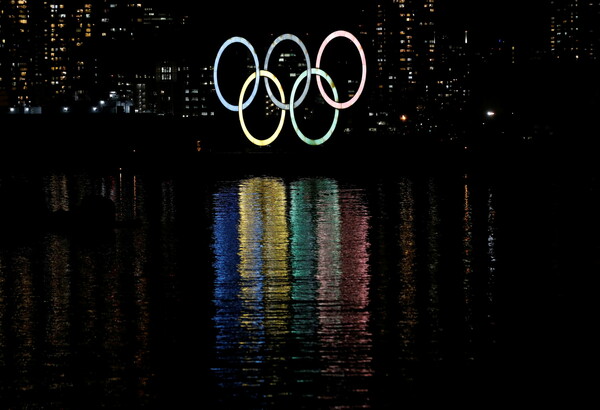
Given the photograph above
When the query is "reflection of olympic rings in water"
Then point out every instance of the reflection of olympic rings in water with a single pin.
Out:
(294, 103)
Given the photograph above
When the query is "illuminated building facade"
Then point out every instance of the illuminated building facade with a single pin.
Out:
(21, 64)
(452, 85)
(67, 32)
(199, 97)
(404, 43)
(574, 30)
(117, 34)
(81, 54)
(46, 57)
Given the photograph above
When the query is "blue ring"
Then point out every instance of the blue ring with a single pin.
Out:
(245, 42)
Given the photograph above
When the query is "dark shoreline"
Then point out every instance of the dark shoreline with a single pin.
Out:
(38, 142)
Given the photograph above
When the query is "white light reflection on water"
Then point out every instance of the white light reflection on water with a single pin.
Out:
(468, 265)
(432, 270)
(409, 316)
(479, 265)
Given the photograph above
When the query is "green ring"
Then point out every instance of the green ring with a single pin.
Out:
(309, 141)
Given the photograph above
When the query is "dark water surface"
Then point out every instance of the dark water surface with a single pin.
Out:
(298, 291)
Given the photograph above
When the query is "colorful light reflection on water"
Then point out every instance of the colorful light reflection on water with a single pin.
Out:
(294, 292)
(340, 295)
(291, 288)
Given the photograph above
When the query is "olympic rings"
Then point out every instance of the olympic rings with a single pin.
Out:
(218, 90)
(363, 79)
(306, 57)
(273, 137)
(293, 103)
(320, 73)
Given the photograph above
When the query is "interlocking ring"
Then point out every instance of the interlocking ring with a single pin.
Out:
(254, 56)
(363, 79)
(319, 73)
(296, 40)
(256, 141)
(293, 103)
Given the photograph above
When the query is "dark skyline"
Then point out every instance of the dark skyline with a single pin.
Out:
(418, 52)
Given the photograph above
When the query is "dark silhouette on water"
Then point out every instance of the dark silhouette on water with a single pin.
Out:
(22, 210)
(24, 215)
(95, 213)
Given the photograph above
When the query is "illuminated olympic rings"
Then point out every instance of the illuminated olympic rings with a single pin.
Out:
(294, 103)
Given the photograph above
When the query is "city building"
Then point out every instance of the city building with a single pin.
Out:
(575, 30)
(403, 40)
(71, 55)
(124, 56)
(22, 72)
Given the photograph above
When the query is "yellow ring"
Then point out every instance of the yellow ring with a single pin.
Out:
(255, 141)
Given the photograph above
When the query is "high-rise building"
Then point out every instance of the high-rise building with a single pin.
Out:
(67, 31)
(22, 61)
(452, 88)
(404, 44)
(43, 56)
(59, 53)
(117, 48)
(575, 30)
